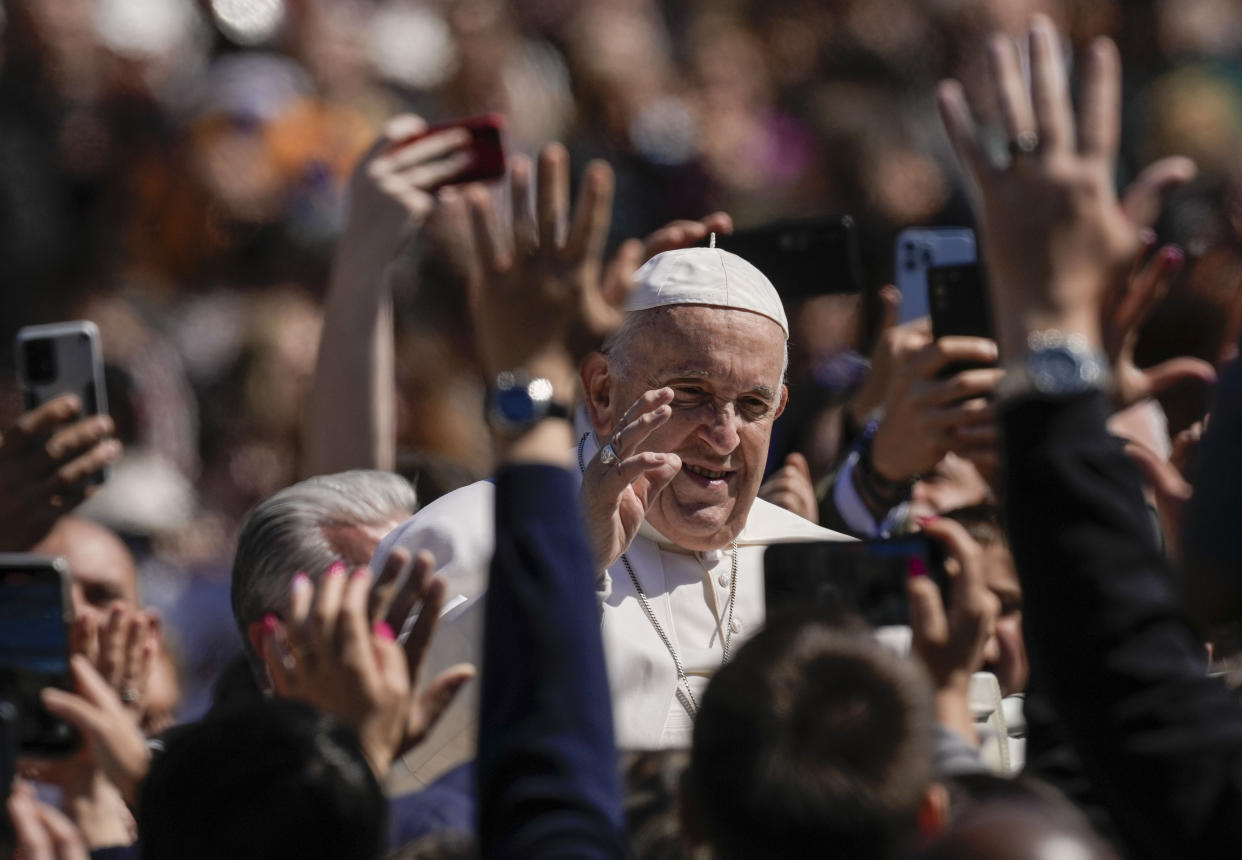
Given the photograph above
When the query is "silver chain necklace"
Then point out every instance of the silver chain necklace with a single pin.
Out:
(684, 694)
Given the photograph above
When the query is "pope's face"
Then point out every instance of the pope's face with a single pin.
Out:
(724, 367)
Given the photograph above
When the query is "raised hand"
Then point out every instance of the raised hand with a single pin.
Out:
(42, 832)
(392, 189)
(927, 416)
(1054, 234)
(791, 488)
(1124, 310)
(116, 746)
(48, 460)
(540, 304)
(616, 496)
(893, 346)
(394, 598)
(951, 641)
(330, 656)
(122, 650)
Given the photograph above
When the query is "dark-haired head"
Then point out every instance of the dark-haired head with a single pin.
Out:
(812, 739)
(276, 779)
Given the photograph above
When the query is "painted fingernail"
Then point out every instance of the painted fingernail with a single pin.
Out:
(336, 568)
(925, 520)
(1172, 254)
(361, 572)
(269, 623)
(916, 568)
(1147, 236)
(383, 631)
(300, 582)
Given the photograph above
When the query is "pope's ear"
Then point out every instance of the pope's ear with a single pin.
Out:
(780, 407)
(597, 385)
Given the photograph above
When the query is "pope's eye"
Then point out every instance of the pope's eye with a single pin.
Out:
(753, 407)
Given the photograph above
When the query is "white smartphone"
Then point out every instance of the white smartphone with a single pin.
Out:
(919, 249)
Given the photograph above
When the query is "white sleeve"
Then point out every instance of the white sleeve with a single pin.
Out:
(852, 508)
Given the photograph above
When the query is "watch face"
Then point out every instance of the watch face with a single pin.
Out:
(1060, 370)
(515, 405)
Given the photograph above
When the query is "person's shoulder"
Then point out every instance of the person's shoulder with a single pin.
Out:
(769, 524)
(462, 517)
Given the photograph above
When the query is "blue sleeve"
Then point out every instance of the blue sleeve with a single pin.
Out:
(548, 778)
(1125, 671)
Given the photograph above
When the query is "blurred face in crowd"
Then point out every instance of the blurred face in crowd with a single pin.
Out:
(954, 483)
(100, 566)
(1005, 654)
(725, 368)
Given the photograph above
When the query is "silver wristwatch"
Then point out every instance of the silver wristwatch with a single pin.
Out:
(1057, 364)
(516, 400)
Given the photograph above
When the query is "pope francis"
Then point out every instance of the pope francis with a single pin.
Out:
(676, 419)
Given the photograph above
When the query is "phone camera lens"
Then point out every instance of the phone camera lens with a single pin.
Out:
(927, 257)
(40, 361)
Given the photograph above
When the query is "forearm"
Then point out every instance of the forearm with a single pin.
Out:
(547, 764)
(1125, 672)
(351, 406)
(99, 811)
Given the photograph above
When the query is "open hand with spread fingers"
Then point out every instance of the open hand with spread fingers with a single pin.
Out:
(329, 655)
(542, 284)
(1054, 234)
(621, 481)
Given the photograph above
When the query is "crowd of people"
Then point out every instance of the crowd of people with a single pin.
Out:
(436, 513)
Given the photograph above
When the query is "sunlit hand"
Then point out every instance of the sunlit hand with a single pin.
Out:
(48, 460)
(1054, 234)
(894, 344)
(403, 588)
(116, 745)
(122, 650)
(1168, 481)
(391, 193)
(329, 656)
(542, 284)
(926, 416)
(615, 498)
(42, 832)
(951, 641)
(791, 488)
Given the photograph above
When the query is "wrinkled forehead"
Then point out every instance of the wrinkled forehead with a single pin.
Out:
(658, 340)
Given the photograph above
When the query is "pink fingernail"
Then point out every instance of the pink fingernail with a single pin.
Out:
(361, 572)
(300, 581)
(269, 623)
(925, 520)
(383, 631)
(916, 568)
(336, 568)
(1172, 254)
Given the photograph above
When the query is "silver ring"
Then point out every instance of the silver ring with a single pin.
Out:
(1026, 143)
(129, 695)
(608, 456)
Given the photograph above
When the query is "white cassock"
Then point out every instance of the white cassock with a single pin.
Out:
(688, 593)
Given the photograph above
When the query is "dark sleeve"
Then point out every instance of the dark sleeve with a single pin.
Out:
(1123, 668)
(547, 766)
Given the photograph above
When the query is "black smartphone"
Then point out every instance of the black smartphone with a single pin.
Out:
(36, 620)
(959, 305)
(851, 578)
(802, 257)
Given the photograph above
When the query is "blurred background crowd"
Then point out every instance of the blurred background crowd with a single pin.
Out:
(175, 170)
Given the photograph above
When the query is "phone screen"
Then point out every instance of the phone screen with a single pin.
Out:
(843, 578)
(959, 301)
(34, 652)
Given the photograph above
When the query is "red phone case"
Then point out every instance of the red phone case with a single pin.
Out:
(485, 146)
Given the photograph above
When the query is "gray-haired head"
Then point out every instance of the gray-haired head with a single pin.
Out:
(305, 528)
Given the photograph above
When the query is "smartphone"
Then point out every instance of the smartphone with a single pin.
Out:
(837, 579)
(802, 257)
(959, 306)
(36, 622)
(919, 249)
(485, 146)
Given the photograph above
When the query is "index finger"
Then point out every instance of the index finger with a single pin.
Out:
(589, 231)
(42, 421)
(552, 196)
(951, 349)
